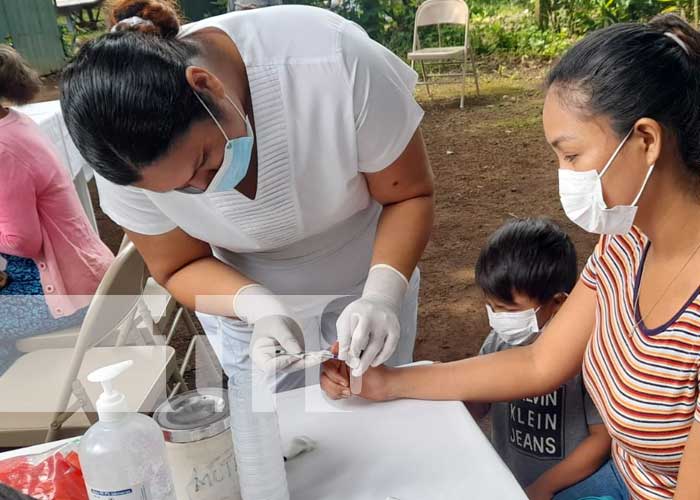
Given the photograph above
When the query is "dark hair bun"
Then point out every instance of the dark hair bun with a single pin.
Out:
(19, 83)
(162, 13)
(671, 23)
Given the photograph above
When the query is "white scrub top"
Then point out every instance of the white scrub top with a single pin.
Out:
(330, 104)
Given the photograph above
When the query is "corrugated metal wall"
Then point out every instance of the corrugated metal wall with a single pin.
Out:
(194, 10)
(34, 30)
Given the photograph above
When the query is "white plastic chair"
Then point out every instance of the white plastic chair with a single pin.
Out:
(437, 13)
(46, 391)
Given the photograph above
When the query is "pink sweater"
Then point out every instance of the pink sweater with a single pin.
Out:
(41, 218)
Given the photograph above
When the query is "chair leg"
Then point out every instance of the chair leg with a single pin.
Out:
(181, 384)
(188, 322)
(425, 79)
(464, 83)
(126, 331)
(188, 355)
(173, 325)
(150, 330)
(213, 368)
(52, 431)
(476, 73)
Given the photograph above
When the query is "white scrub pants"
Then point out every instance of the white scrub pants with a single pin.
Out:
(230, 338)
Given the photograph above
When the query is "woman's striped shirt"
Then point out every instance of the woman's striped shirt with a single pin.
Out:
(643, 381)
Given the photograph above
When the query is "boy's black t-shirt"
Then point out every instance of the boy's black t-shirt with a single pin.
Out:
(532, 435)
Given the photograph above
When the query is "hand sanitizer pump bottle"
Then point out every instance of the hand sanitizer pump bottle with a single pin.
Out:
(123, 455)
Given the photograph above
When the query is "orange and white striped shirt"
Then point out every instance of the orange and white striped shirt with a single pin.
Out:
(643, 381)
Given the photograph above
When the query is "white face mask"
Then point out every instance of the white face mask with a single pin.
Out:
(581, 196)
(515, 328)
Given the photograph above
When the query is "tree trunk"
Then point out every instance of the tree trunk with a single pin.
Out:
(696, 13)
(542, 13)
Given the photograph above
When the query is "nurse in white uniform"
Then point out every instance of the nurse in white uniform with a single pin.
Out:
(260, 154)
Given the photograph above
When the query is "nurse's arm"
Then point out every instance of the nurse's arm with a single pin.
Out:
(688, 486)
(186, 267)
(405, 189)
(527, 371)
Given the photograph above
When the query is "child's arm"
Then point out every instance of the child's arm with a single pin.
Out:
(504, 376)
(583, 462)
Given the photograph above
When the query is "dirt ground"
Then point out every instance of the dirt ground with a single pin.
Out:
(491, 163)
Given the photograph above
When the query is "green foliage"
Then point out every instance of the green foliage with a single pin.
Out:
(497, 26)
(516, 33)
(507, 26)
(217, 7)
(581, 16)
(681, 6)
(390, 22)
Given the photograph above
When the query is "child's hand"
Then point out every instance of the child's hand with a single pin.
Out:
(335, 380)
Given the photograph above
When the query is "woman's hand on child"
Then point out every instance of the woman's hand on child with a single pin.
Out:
(335, 380)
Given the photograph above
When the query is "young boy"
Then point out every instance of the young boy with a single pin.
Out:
(550, 442)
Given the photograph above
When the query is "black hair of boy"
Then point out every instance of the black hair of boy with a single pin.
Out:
(533, 257)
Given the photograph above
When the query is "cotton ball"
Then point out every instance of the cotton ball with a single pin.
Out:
(298, 446)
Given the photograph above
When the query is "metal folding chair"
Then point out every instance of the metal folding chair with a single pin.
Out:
(437, 13)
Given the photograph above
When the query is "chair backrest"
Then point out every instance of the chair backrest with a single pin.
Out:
(116, 297)
(432, 12)
(438, 12)
(113, 306)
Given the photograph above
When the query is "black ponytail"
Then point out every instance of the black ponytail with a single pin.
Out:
(631, 71)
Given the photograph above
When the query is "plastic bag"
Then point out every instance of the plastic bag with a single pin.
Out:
(52, 475)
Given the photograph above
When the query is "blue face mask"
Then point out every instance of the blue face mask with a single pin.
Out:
(236, 162)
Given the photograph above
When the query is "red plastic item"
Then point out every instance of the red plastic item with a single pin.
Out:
(54, 475)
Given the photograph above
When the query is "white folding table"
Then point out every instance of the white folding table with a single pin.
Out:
(409, 450)
(50, 119)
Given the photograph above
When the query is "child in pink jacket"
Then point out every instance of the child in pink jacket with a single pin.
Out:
(53, 259)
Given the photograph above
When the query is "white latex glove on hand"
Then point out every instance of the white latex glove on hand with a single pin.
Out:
(277, 346)
(277, 343)
(369, 329)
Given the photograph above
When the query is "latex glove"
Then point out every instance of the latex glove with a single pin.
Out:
(277, 343)
(369, 329)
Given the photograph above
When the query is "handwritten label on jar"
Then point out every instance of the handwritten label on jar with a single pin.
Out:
(217, 480)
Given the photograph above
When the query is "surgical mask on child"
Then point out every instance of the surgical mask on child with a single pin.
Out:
(582, 199)
(237, 155)
(515, 328)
